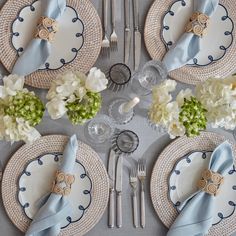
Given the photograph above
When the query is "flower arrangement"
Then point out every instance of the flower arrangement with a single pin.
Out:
(218, 96)
(20, 111)
(185, 115)
(76, 95)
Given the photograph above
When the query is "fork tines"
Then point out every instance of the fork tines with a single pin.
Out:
(105, 47)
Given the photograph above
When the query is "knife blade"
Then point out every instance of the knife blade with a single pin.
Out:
(111, 174)
(119, 178)
(127, 31)
(137, 35)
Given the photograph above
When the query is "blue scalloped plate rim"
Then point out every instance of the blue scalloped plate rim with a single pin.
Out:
(85, 174)
(175, 205)
(167, 44)
(75, 50)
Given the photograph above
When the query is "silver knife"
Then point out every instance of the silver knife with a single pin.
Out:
(137, 35)
(119, 173)
(111, 174)
(127, 31)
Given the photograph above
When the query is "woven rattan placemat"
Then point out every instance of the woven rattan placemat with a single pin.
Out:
(187, 74)
(163, 167)
(55, 143)
(86, 56)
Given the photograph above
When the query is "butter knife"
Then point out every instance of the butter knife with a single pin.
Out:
(127, 31)
(119, 177)
(111, 174)
(137, 35)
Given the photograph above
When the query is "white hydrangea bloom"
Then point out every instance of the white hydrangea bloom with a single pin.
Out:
(11, 84)
(176, 129)
(218, 96)
(96, 81)
(161, 93)
(163, 114)
(56, 108)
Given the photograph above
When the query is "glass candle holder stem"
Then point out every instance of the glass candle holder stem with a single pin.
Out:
(129, 106)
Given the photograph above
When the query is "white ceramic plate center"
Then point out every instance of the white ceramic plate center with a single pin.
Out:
(218, 39)
(183, 183)
(68, 40)
(36, 182)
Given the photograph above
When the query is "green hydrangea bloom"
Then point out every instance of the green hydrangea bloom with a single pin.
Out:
(81, 111)
(25, 105)
(193, 117)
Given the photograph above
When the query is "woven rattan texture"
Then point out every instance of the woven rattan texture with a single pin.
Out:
(55, 143)
(86, 57)
(164, 165)
(187, 74)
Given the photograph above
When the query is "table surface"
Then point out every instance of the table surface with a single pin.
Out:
(150, 143)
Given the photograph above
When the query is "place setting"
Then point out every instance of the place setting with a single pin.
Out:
(127, 130)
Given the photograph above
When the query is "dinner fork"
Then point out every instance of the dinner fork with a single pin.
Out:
(114, 38)
(105, 41)
(134, 183)
(142, 177)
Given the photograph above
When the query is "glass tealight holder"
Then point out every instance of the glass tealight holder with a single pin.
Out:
(119, 77)
(99, 130)
(125, 142)
(152, 73)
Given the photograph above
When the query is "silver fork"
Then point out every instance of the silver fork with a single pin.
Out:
(134, 182)
(113, 38)
(142, 177)
(105, 41)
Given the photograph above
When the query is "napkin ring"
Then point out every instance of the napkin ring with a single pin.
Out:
(46, 28)
(210, 182)
(198, 24)
(62, 183)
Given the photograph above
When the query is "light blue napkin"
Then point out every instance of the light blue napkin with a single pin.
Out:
(188, 45)
(196, 214)
(38, 50)
(47, 220)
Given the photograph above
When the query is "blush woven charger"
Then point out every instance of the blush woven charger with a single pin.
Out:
(163, 167)
(86, 57)
(55, 143)
(187, 74)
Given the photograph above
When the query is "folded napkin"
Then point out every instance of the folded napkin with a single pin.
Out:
(38, 50)
(197, 211)
(189, 44)
(47, 220)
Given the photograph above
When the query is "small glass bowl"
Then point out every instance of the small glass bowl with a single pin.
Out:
(100, 129)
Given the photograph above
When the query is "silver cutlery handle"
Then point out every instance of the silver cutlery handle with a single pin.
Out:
(111, 220)
(136, 14)
(143, 221)
(113, 13)
(119, 210)
(135, 210)
(127, 13)
(105, 15)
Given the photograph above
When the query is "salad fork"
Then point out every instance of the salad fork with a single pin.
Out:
(134, 183)
(142, 177)
(113, 38)
(105, 42)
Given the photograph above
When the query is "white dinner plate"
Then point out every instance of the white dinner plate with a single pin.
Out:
(215, 43)
(183, 183)
(28, 177)
(36, 182)
(68, 40)
(175, 175)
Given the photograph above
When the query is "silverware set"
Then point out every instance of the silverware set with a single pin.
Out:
(115, 173)
(138, 175)
(111, 44)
